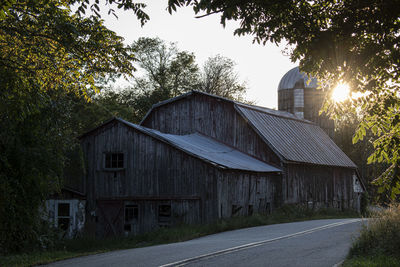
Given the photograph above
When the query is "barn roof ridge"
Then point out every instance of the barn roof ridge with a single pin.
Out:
(273, 112)
(270, 111)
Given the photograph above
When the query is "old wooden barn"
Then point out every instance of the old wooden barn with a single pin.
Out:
(198, 157)
(139, 179)
(315, 170)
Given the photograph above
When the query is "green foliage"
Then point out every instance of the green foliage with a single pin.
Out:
(358, 152)
(365, 202)
(372, 261)
(42, 41)
(381, 236)
(31, 158)
(45, 52)
(136, 8)
(169, 72)
(350, 41)
(219, 78)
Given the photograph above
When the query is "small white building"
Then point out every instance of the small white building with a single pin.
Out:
(66, 211)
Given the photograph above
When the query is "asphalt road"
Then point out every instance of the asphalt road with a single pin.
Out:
(311, 243)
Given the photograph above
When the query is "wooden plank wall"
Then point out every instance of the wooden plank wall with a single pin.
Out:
(239, 191)
(319, 186)
(157, 170)
(212, 117)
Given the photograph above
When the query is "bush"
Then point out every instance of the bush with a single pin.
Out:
(364, 203)
(381, 235)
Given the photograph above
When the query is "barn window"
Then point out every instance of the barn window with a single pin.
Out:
(164, 215)
(63, 217)
(114, 161)
(131, 216)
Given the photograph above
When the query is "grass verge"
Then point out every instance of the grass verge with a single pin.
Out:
(65, 249)
(379, 241)
(372, 261)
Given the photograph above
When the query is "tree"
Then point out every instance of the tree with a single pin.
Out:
(350, 41)
(166, 68)
(46, 53)
(345, 126)
(219, 78)
(169, 72)
(42, 41)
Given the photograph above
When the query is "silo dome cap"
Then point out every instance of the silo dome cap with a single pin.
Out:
(294, 76)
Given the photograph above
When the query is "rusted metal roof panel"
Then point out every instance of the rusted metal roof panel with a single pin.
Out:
(294, 139)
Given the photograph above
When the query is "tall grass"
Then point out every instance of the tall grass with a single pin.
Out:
(64, 249)
(381, 236)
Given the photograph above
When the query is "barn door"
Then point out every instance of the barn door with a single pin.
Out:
(111, 218)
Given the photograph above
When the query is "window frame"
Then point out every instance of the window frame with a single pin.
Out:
(117, 167)
(130, 221)
(58, 216)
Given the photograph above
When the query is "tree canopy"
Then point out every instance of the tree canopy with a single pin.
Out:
(220, 78)
(165, 72)
(46, 53)
(41, 40)
(351, 41)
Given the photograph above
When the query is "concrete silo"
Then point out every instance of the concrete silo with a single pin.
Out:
(298, 95)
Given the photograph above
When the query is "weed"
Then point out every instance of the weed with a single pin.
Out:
(381, 236)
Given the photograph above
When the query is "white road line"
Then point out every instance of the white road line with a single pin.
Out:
(256, 244)
(338, 264)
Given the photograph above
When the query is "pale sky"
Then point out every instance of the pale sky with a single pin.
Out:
(261, 67)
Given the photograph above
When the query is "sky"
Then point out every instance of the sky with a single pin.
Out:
(261, 67)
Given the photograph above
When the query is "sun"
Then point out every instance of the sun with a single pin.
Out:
(341, 92)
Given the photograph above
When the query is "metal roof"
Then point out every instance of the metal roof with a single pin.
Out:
(293, 76)
(209, 150)
(295, 140)
(292, 138)
(275, 112)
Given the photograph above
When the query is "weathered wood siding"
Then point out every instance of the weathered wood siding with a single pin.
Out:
(152, 168)
(319, 186)
(212, 117)
(155, 173)
(244, 194)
